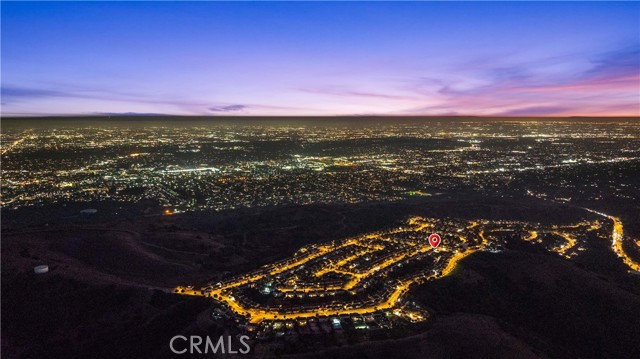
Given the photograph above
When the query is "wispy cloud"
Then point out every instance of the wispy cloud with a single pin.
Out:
(606, 83)
(227, 108)
(617, 71)
(132, 114)
(15, 92)
(345, 92)
(536, 111)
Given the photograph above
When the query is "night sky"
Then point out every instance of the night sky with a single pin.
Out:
(331, 58)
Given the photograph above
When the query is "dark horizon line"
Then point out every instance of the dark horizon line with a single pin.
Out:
(147, 117)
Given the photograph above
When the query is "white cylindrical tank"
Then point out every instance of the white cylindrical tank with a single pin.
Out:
(41, 269)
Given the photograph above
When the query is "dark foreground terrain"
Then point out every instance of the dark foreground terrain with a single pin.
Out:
(108, 292)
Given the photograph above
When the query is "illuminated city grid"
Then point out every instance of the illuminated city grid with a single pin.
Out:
(225, 166)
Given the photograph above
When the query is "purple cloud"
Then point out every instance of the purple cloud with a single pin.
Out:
(228, 108)
(13, 92)
(536, 111)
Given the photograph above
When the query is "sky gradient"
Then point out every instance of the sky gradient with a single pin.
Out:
(334, 58)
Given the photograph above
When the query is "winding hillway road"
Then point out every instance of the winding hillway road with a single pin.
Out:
(617, 237)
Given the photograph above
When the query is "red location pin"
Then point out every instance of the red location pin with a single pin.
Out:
(434, 240)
